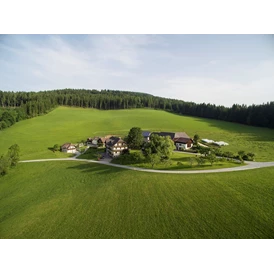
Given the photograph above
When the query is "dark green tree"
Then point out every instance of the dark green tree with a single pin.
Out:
(4, 164)
(13, 154)
(56, 147)
(241, 155)
(135, 138)
(251, 156)
(196, 138)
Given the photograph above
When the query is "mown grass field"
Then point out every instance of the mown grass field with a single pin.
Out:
(83, 200)
(65, 124)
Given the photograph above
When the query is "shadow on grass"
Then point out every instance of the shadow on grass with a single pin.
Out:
(201, 167)
(97, 168)
(51, 149)
(251, 133)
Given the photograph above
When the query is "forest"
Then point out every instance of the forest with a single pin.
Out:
(17, 106)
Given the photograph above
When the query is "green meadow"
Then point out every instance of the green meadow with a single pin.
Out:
(178, 161)
(65, 124)
(70, 199)
(84, 200)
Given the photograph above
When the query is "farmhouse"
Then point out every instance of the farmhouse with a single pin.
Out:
(68, 148)
(183, 143)
(181, 139)
(96, 141)
(115, 146)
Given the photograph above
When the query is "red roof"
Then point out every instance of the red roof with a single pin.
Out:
(182, 140)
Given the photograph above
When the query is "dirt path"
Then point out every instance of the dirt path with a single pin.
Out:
(202, 145)
(250, 165)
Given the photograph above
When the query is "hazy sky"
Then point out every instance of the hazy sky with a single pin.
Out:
(220, 69)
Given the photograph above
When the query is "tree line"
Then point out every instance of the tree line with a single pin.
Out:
(16, 106)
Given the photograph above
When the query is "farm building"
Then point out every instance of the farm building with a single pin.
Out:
(181, 139)
(68, 148)
(96, 141)
(219, 143)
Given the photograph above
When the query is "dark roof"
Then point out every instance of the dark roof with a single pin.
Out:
(182, 140)
(146, 133)
(97, 139)
(113, 140)
(172, 135)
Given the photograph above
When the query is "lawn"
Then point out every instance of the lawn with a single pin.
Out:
(66, 124)
(178, 161)
(84, 200)
(92, 153)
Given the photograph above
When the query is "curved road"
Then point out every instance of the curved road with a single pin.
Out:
(250, 165)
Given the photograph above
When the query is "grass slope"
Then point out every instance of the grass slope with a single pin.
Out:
(72, 200)
(65, 124)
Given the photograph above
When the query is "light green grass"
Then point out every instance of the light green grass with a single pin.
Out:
(83, 200)
(176, 157)
(66, 124)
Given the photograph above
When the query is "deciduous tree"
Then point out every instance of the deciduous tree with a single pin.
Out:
(13, 154)
(4, 164)
(159, 148)
(212, 158)
(196, 139)
(56, 147)
(200, 160)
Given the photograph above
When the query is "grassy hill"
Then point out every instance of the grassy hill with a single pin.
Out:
(81, 200)
(66, 124)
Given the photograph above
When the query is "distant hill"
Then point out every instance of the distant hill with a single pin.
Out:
(16, 106)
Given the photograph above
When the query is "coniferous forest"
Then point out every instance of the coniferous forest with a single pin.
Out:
(17, 106)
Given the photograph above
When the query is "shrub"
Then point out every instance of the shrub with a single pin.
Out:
(251, 156)
(125, 151)
(245, 157)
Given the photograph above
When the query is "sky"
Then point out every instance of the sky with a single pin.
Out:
(217, 69)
